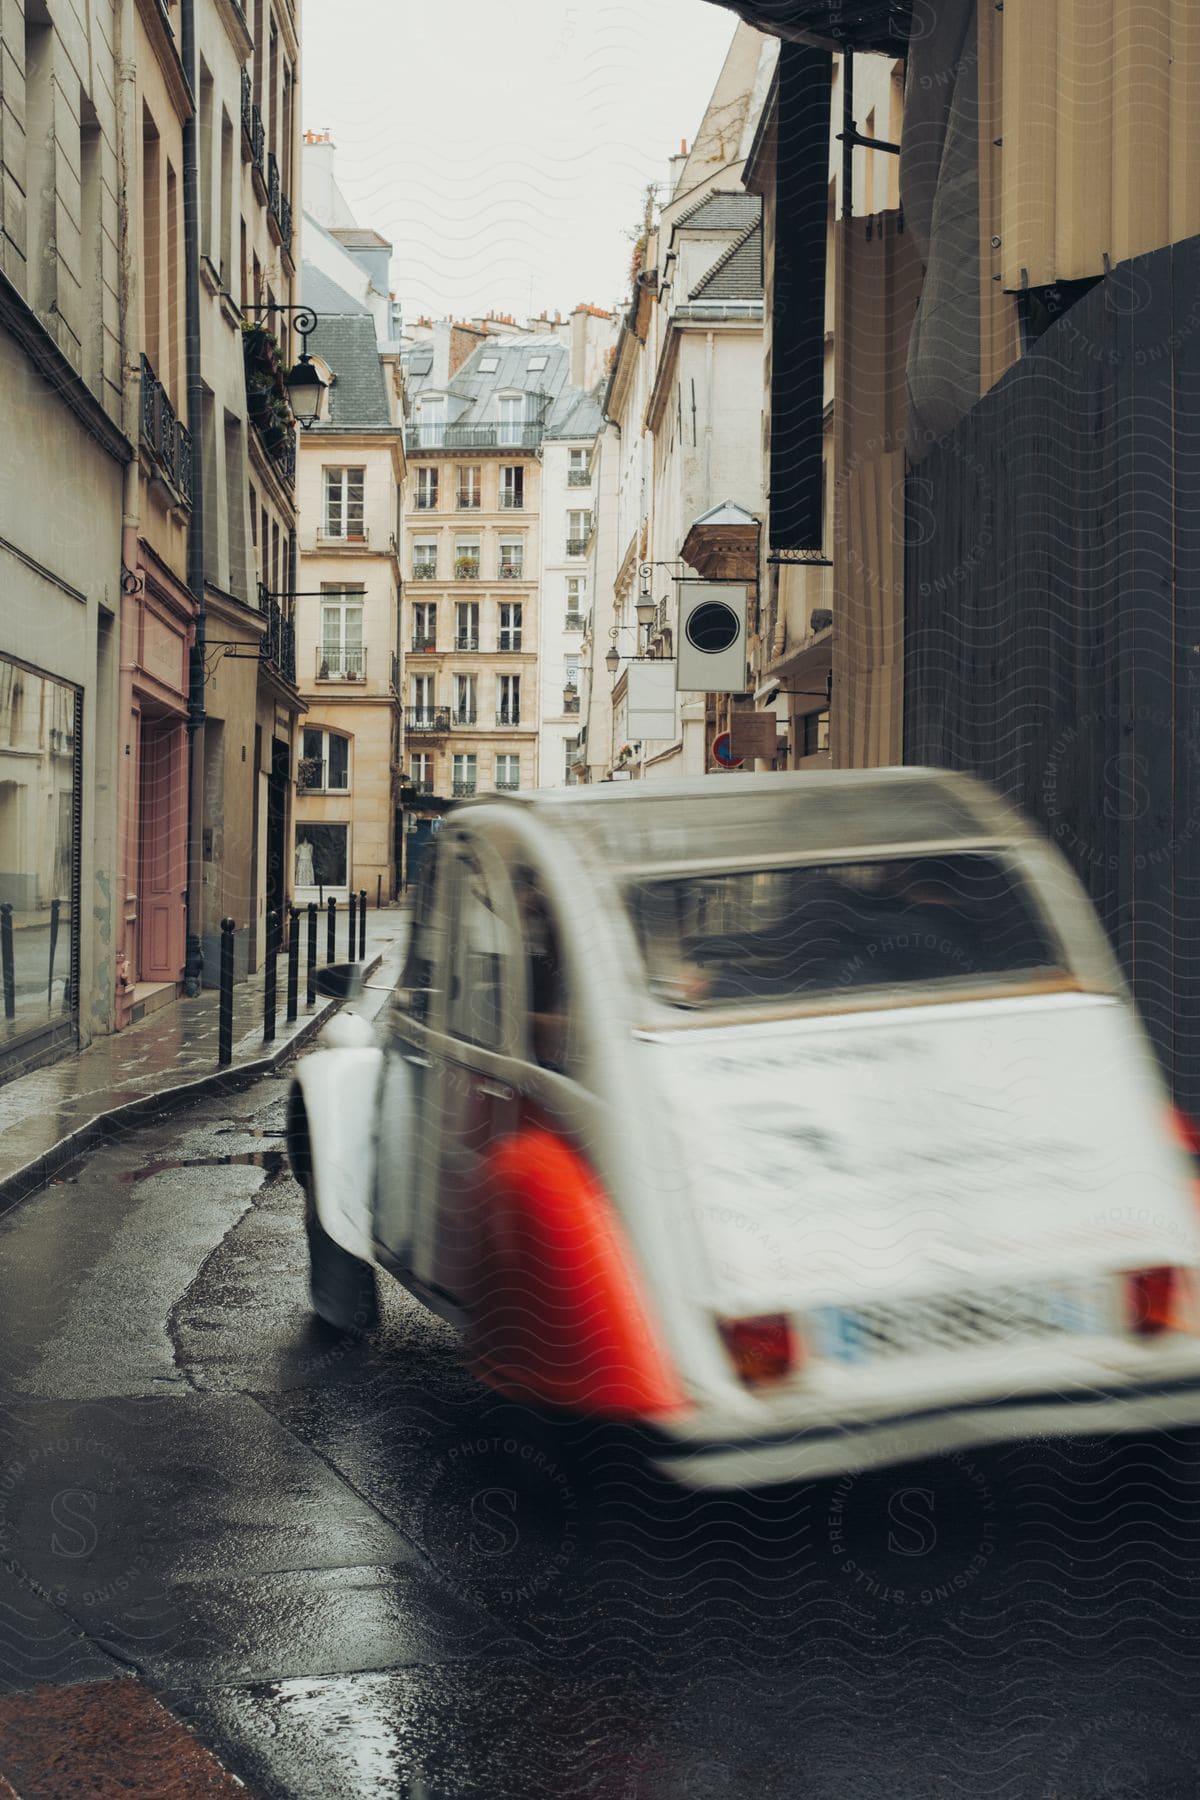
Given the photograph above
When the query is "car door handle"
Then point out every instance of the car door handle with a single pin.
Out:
(414, 1056)
(495, 1090)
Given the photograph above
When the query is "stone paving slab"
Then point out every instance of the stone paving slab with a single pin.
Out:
(53, 1114)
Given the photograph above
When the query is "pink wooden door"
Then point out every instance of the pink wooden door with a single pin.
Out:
(162, 853)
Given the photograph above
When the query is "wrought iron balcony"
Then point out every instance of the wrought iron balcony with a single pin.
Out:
(466, 568)
(258, 139)
(464, 641)
(577, 546)
(168, 442)
(337, 663)
(463, 789)
(274, 189)
(573, 621)
(425, 501)
(465, 715)
(427, 720)
(508, 715)
(473, 437)
(247, 113)
(285, 223)
(579, 478)
(422, 787)
(423, 644)
(511, 502)
(468, 502)
(507, 787)
(509, 641)
(424, 571)
(279, 638)
(512, 571)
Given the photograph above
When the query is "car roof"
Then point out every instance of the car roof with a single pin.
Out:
(730, 819)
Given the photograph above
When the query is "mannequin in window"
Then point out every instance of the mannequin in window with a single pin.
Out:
(305, 874)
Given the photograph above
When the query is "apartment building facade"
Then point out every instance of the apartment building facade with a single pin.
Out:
(65, 460)
(352, 473)
(569, 476)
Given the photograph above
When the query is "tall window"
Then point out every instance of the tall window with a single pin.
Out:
(512, 559)
(470, 487)
(427, 489)
(466, 560)
(425, 560)
(579, 525)
(576, 602)
(464, 774)
(425, 625)
(466, 709)
(508, 699)
(422, 771)
(341, 656)
(579, 472)
(510, 625)
(431, 421)
(324, 761)
(508, 773)
(512, 487)
(344, 502)
(510, 412)
(466, 625)
(423, 700)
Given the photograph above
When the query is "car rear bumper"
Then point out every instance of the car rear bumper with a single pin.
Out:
(812, 1454)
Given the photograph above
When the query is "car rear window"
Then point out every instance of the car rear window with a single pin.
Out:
(768, 935)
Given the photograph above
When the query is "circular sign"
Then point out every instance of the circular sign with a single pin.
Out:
(722, 749)
(712, 627)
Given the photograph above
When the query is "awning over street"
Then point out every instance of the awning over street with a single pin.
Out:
(882, 25)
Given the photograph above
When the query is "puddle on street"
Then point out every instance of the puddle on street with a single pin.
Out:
(270, 1160)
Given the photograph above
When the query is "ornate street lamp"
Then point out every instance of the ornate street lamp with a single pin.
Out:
(304, 384)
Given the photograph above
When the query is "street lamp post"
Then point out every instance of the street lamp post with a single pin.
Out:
(304, 383)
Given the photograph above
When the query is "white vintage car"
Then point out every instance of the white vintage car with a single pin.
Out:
(802, 1121)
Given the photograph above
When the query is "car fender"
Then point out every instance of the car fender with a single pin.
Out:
(331, 1140)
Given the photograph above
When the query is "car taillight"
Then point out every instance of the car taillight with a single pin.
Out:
(1185, 1131)
(761, 1349)
(1150, 1301)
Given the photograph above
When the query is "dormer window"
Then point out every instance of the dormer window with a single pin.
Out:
(510, 413)
(431, 421)
(488, 365)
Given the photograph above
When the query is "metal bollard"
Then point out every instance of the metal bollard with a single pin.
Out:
(6, 958)
(271, 978)
(352, 932)
(312, 953)
(225, 1001)
(293, 974)
(362, 924)
(55, 910)
(331, 930)
(378, 892)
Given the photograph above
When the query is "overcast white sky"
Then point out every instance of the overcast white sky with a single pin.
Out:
(504, 145)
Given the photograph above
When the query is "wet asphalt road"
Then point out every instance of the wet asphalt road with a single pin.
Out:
(354, 1575)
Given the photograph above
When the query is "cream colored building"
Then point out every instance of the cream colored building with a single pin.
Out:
(351, 479)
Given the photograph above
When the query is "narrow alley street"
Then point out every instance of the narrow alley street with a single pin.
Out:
(351, 1572)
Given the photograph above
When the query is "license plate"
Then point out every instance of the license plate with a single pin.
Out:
(962, 1321)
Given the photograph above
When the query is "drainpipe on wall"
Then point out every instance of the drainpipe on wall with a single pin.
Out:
(131, 405)
(193, 969)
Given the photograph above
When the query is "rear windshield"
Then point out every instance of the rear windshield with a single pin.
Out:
(744, 935)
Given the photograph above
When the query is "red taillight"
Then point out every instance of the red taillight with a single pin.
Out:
(1185, 1131)
(762, 1349)
(1150, 1299)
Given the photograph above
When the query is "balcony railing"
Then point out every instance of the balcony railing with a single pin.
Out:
(508, 715)
(427, 719)
(509, 641)
(422, 644)
(511, 502)
(468, 502)
(574, 621)
(466, 569)
(424, 571)
(356, 540)
(168, 442)
(258, 139)
(425, 502)
(512, 571)
(336, 663)
(463, 789)
(285, 223)
(465, 715)
(466, 642)
(274, 189)
(279, 638)
(577, 546)
(473, 437)
(507, 787)
(579, 478)
(422, 787)
(247, 113)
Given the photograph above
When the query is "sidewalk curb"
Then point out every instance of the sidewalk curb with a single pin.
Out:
(111, 1121)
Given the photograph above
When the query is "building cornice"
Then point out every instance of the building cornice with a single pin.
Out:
(57, 371)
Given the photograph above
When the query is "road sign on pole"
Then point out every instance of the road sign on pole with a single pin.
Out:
(722, 749)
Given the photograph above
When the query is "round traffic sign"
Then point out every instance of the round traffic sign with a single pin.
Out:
(722, 749)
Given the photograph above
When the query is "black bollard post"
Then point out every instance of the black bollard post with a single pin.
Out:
(378, 892)
(271, 978)
(293, 975)
(362, 924)
(312, 953)
(55, 910)
(352, 931)
(225, 999)
(331, 929)
(6, 959)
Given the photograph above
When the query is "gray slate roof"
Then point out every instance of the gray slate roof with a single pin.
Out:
(580, 416)
(345, 339)
(737, 273)
(721, 212)
(473, 391)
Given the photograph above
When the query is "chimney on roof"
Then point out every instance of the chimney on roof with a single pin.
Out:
(463, 340)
